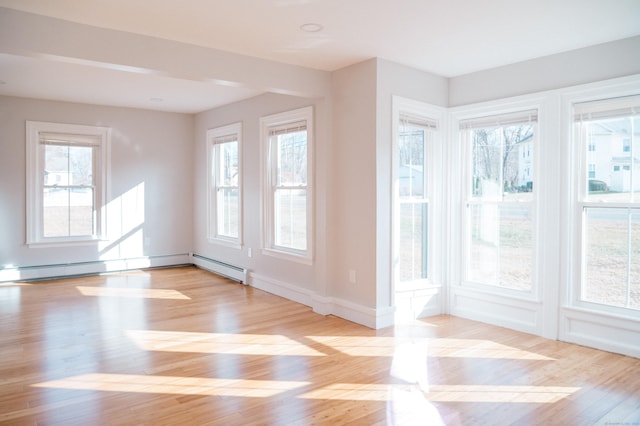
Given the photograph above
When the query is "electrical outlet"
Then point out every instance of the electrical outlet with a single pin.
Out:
(352, 276)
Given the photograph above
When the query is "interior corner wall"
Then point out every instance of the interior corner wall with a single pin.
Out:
(596, 63)
(352, 239)
(149, 172)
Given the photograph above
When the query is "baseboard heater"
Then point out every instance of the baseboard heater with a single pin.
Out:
(233, 272)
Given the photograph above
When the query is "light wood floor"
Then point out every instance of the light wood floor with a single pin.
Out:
(182, 346)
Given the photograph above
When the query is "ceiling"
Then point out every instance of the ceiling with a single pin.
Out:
(448, 38)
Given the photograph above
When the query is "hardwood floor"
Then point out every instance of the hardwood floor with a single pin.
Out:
(185, 347)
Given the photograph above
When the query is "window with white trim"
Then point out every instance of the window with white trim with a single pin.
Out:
(288, 196)
(414, 157)
(66, 182)
(224, 184)
(499, 228)
(608, 203)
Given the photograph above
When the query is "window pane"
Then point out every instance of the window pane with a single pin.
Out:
(413, 241)
(81, 165)
(81, 212)
(228, 213)
(55, 218)
(292, 159)
(68, 211)
(612, 152)
(612, 257)
(501, 246)
(412, 160)
(290, 214)
(228, 163)
(502, 162)
(56, 165)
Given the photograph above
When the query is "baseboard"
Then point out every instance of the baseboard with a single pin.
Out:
(600, 331)
(504, 311)
(369, 317)
(42, 272)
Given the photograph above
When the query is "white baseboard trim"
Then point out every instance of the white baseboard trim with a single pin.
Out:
(600, 331)
(503, 311)
(42, 272)
(369, 317)
(281, 288)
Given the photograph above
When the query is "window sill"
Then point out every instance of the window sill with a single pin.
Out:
(72, 243)
(305, 260)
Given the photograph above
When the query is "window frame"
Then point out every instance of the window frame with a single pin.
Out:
(269, 185)
(505, 115)
(582, 201)
(215, 137)
(35, 180)
(432, 121)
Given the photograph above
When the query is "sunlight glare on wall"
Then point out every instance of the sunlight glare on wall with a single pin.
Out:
(126, 217)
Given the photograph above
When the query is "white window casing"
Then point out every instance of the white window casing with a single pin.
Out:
(287, 147)
(224, 185)
(43, 139)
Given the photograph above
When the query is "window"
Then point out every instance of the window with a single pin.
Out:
(500, 200)
(608, 208)
(66, 182)
(288, 147)
(412, 152)
(224, 184)
(592, 171)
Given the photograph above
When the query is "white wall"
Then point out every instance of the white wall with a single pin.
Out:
(151, 167)
(275, 274)
(353, 186)
(596, 63)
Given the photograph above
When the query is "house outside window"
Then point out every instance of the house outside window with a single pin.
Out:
(66, 183)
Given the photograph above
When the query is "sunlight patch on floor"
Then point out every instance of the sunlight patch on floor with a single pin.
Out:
(473, 348)
(220, 343)
(359, 345)
(503, 393)
(443, 393)
(134, 293)
(174, 385)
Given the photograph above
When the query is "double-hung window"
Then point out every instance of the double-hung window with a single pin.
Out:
(224, 184)
(499, 229)
(66, 182)
(288, 196)
(413, 153)
(608, 203)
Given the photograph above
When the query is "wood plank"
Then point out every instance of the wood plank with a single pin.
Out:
(184, 346)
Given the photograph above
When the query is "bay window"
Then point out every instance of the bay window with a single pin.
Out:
(500, 196)
(608, 203)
